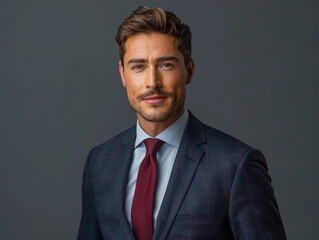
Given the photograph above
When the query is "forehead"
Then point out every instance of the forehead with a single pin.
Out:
(150, 45)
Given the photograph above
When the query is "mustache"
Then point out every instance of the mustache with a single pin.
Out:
(153, 92)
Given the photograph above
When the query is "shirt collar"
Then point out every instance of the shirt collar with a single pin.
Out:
(171, 135)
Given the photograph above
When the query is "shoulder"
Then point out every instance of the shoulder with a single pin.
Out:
(215, 138)
(222, 148)
(215, 135)
(111, 144)
(102, 154)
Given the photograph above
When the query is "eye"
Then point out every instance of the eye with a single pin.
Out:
(167, 66)
(137, 68)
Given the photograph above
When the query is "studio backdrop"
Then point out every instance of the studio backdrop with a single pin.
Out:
(256, 78)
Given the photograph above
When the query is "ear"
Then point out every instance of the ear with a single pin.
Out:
(121, 70)
(190, 71)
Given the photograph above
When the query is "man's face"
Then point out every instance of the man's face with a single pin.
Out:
(155, 77)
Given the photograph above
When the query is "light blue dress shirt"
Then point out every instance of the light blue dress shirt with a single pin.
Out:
(165, 160)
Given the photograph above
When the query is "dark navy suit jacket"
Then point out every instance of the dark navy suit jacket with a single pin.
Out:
(219, 189)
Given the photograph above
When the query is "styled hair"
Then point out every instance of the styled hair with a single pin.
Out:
(148, 20)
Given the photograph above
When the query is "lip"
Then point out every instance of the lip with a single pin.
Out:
(153, 99)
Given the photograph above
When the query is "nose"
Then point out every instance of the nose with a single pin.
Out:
(153, 79)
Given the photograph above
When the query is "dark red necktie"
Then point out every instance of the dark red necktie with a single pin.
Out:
(142, 207)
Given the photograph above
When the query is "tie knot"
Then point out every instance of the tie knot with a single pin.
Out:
(152, 145)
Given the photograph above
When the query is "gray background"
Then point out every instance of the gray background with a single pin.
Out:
(256, 78)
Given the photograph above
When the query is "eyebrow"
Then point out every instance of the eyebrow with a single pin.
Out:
(160, 59)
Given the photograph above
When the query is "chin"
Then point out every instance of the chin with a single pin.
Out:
(159, 115)
(155, 117)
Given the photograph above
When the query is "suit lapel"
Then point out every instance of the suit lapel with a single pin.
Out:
(188, 157)
(122, 162)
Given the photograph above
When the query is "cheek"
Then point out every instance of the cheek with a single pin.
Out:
(130, 93)
(176, 80)
(132, 90)
(178, 86)
(134, 83)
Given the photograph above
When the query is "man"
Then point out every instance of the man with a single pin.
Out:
(171, 176)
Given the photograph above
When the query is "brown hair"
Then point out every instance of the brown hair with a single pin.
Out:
(147, 20)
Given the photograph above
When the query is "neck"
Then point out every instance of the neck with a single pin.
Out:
(155, 128)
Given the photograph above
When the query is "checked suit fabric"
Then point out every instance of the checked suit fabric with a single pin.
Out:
(219, 188)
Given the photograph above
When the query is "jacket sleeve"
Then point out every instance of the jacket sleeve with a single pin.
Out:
(253, 210)
(89, 227)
